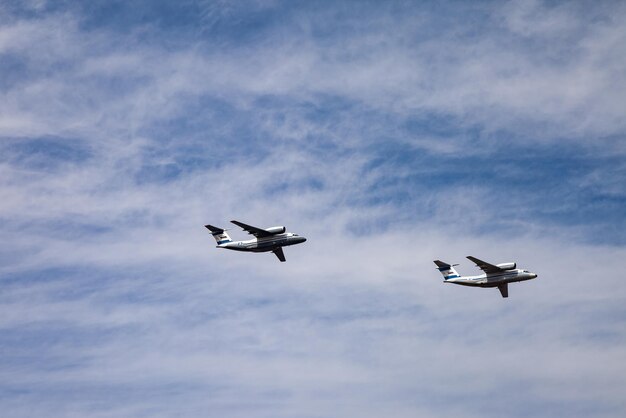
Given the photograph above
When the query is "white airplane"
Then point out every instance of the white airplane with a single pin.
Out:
(270, 239)
(499, 275)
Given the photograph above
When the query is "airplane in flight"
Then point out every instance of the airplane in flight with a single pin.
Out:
(498, 275)
(269, 239)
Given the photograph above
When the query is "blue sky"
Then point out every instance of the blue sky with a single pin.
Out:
(388, 134)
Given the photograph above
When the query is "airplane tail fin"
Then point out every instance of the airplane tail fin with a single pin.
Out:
(447, 270)
(220, 235)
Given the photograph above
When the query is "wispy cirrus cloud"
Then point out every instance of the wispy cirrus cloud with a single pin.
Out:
(390, 136)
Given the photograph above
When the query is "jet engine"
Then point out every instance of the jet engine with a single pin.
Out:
(276, 230)
(507, 266)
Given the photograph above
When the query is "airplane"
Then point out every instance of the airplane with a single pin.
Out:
(270, 239)
(498, 275)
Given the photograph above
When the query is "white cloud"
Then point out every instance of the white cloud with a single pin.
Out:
(148, 319)
(570, 85)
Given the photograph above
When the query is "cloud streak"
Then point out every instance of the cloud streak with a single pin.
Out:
(388, 136)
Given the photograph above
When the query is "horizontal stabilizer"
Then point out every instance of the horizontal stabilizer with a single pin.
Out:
(220, 235)
(446, 270)
(442, 265)
(214, 230)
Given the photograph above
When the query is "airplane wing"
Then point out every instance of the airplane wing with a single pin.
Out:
(280, 254)
(253, 230)
(504, 290)
(484, 266)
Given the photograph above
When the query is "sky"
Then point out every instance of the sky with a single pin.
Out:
(389, 134)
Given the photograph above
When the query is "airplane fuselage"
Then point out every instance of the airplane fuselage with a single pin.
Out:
(493, 279)
(264, 244)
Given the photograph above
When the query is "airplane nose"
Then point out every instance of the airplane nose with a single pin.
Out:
(533, 275)
(302, 239)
